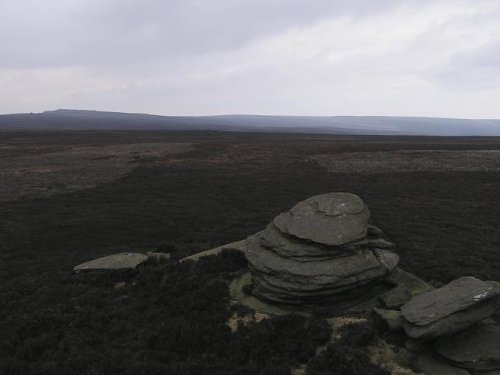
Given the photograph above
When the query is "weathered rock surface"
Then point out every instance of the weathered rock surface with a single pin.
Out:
(319, 253)
(237, 246)
(286, 246)
(392, 318)
(450, 308)
(407, 287)
(380, 243)
(120, 261)
(477, 348)
(375, 262)
(331, 219)
(396, 297)
(431, 366)
(373, 230)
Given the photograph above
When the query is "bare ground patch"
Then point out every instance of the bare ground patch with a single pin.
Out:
(41, 174)
(410, 161)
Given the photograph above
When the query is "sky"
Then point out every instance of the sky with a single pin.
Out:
(435, 58)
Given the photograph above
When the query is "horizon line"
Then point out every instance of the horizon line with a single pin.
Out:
(251, 114)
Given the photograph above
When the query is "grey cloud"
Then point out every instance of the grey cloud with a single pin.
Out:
(58, 33)
(486, 56)
(473, 68)
(312, 57)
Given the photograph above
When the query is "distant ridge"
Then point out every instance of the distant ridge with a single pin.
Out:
(68, 119)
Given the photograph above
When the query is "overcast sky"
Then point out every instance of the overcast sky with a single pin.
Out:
(295, 57)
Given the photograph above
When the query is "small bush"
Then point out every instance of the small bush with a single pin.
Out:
(348, 356)
(340, 359)
(167, 319)
(358, 335)
(290, 339)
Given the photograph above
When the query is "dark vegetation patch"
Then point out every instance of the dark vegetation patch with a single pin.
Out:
(445, 225)
(166, 320)
(349, 354)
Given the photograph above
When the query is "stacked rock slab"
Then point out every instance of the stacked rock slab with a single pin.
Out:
(476, 349)
(320, 252)
(456, 319)
(451, 308)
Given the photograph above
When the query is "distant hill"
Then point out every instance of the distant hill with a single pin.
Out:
(64, 119)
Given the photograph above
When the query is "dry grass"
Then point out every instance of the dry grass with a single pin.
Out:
(299, 370)
(410, 161)
(77, 167)
(384, 356)
(342, 321)
(235, 321)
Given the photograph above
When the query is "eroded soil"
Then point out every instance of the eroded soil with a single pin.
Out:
(411, 161)
(46, 171)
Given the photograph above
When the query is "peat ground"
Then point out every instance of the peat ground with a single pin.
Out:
(229, 185)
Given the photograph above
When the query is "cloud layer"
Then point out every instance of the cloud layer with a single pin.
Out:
(190, 57)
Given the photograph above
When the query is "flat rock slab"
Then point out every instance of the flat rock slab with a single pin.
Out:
(450, 308)
(411, 282)
(120, 261)
(477, 348)
(236, 291)
(374, 231)
(408, 286)
(453, 323)
(459, 294)
(392, 318)
(431, 366)
(332, 219)
(240, 283)
(292, 247)
(318, 280)
(323, 271)
(289, 247)
(237, 245)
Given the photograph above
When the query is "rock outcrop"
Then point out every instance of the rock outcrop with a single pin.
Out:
(451, 308)
(322, 251)
(122, 261)
(329, 219)
(429, 365)
(237, 246)
(408, 286)
(477, 348)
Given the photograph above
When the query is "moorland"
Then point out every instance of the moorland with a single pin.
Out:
(70, 196)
